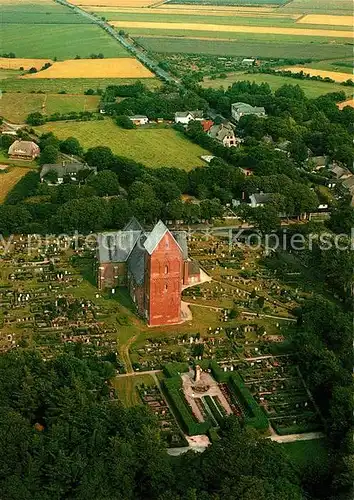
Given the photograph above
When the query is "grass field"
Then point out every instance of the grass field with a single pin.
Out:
(63, 41)
(246, 46)
(15, 107)
(303, 454)
(311, 88)
(339, 7)
(9, 179)
(9, 73)
(231, 2)
(114, 3)
(155, 147)
(124, 67)
(126, 388)
(35, 12)
(71, 86)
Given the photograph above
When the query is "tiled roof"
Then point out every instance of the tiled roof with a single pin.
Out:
(136, 260)
(116, 246)
(155, 237)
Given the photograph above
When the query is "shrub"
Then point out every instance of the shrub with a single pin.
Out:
(174, 369)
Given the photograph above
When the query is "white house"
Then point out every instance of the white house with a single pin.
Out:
(185, 117)
(139, 119)
(240, 109)
(259, 199)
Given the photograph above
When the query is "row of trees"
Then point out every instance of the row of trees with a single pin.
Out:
(70, 439)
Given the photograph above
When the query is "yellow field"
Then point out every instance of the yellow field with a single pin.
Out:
(9, 179)
(336, 76)
(218, 8)
(113, 3)
(95, 68)
(233, 29)
(17, 63)
(325, 19)
(348, 102)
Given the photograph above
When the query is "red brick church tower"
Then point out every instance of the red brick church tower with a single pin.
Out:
(163, 277)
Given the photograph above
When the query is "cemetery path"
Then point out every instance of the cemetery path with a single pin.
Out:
(137, 374)
(290, 438)
(126, 355)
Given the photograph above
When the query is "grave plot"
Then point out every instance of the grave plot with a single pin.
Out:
(170, 431)
(277, 386)
(42, 304)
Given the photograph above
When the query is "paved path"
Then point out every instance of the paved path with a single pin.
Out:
(136, 374)
(291, 438)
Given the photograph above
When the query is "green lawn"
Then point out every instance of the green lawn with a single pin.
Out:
(69, 85)
(15, 107)
(245, 45)
(155, 147)
(126, 388)
(63, 41)
(304, 453)
(311, 88)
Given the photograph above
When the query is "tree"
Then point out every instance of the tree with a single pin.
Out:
(51, 176)
(125, 122)
(49, 155)
(35, 119)
(265, 219)
(71, 146)
(105, 183)
(100, 157)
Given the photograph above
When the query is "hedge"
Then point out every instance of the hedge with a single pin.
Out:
(255, 415)
(173, 387)
(296, 429)
(214, 409)
(174, 369)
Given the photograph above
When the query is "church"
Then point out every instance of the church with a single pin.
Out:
(153, 265)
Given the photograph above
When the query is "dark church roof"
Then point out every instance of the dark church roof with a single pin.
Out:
(116, 247)
(136, 261)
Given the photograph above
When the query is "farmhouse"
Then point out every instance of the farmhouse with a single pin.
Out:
(23, 150)
(248, 62)
(55, 174)
(340, 173)
(239, 109)
(185, 117)
(349, 186)
(224, 133)
(139, 119)
(152, 265)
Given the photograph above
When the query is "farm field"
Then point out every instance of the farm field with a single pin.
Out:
(335, 75)
(94, 68)
(113, 3)
(348, 102)
(69, 85)
(324, 19)
(245, 46)
(311, 88)
(9, 179)
(155, 147)
(126, 388)
(35, 12)
(6, 73)
(212, 28)
(26, 64)
(15, 107)
(63, 41)
(339, 7)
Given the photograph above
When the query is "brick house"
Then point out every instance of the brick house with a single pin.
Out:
(154, 266)
(224, 133)
(23, 150)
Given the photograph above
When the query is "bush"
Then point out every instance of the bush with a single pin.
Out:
(125, 122)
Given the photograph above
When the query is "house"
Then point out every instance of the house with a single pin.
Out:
(240, 109)
(340, 173)
(260, 199)
(349, 185)
(23, 150)
(317, 162)
(248, 62)
(207, 124)
(139, 119)
(185, 117)
(247, 172)
(224, 133)
(152, 265)
(62, 170)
